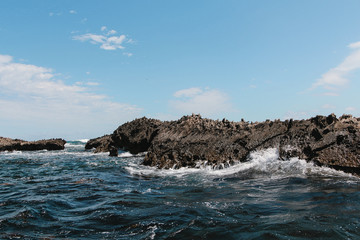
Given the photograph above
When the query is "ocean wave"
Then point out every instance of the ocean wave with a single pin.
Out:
(262, 162)
(125, 154)
(71, 144)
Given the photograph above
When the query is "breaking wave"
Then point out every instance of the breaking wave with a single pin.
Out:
(262, 163)
(76, 194)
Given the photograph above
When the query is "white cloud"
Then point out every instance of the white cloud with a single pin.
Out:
(350, 109)
(92, 83)
(354, 45)
(337, 77)
(72, 12)
(111, 32)
(33, 95)
(328, 106)
(105, 41)
(189, 92)
(131, 41)
(5, 59)
(297, 115)
(204, 101)
(127, 54)
(51, 14)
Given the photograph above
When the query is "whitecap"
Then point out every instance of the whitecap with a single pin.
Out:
(262, 163)
(125, 154)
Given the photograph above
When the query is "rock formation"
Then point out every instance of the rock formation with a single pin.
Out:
(324, 140)
(8, 144)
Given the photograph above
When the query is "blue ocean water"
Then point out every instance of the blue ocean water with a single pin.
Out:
(75, 194)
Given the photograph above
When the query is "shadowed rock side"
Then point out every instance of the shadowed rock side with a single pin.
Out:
(101, 144)
(8, 144)
(325, 140)
(135, 137)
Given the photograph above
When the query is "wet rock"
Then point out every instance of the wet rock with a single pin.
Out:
(101, 144)
(136, 136)
(325, 140)
(113, 151)
(8, 144)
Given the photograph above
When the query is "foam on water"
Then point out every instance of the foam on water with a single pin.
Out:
(125, 154)
(76, 194)
(73, 145)
(263, 162)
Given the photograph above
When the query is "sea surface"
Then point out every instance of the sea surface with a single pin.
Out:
(75, 194)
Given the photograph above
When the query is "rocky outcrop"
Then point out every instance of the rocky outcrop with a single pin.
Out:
(101, 144)
(330, 141)
(8, 144)
(138, 135)
(135, 137)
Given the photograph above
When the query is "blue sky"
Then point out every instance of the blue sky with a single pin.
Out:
(78, 69)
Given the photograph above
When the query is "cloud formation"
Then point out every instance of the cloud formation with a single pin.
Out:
(107, 40)
(350, 109)
(33, 95)
(297, 115)
(189, 92)
(208, 102)
(337, 77)
(328, 106)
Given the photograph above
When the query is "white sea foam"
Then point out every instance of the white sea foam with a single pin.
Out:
(264, 162)
(83, 140)
(73, 145)
(11, 152)
(125, 154)
(70, 151)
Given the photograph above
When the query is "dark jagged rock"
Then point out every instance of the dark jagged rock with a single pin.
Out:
(8, 144)
(136, 136)
(101, 144)
(325, 140)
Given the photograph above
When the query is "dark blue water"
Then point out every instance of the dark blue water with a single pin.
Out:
(74, 194)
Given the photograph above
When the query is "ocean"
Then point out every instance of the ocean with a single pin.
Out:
(75, 194)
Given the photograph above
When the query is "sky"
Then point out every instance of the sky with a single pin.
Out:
(79, 69)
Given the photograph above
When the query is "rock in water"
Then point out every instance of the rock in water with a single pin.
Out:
(325, 140)
(8, 144)
(101, 144)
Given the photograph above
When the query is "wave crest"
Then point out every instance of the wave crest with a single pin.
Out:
(260, 163)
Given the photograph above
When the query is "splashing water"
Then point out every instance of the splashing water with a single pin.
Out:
(76, 194)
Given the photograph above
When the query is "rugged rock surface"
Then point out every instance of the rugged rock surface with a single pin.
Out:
(8, 144)
(135, 137)
(325, 140)
(101, 144)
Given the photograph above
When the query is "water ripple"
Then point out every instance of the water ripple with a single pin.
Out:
(75, 194)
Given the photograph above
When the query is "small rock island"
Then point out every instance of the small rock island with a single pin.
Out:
(8, 144)
(324, 140)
